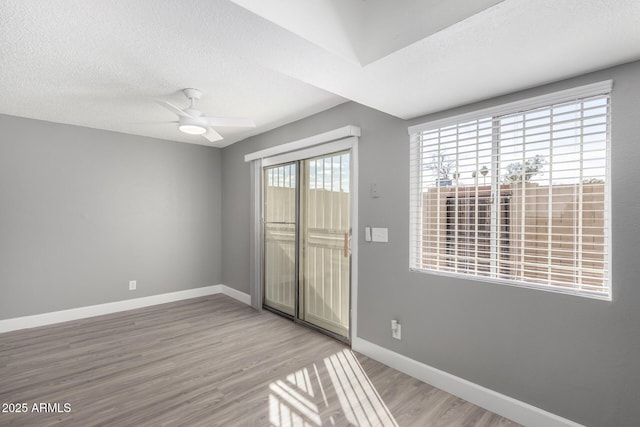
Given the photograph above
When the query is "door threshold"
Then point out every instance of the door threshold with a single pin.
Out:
(337, 337)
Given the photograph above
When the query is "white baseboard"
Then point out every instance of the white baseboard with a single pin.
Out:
(43, 319)
(503, 405)
(236, 294)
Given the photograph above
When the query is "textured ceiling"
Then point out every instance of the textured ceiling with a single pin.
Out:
(102, 63)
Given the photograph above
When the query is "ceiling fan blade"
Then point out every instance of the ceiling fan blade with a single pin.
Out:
(212, 136)
(169, 106)
(238, 122)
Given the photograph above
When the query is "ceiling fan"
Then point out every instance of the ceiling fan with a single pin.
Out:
(192, 122)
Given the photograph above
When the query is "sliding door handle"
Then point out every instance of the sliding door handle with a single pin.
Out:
(346, 244)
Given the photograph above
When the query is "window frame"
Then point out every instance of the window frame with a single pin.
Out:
(417, 238)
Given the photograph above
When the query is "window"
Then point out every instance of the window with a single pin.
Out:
(517, 194)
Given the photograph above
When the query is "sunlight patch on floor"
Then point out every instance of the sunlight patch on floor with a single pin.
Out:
(317, 395)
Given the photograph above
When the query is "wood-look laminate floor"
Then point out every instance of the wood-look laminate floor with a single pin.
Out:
(209, 361)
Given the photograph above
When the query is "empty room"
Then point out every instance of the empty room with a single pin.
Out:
(320, 213)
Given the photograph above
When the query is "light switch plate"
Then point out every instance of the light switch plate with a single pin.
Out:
(367, 234)
(380, 235)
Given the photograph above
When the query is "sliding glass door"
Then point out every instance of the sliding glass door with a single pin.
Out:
(307, 241)
(280, 235)
(324, 242)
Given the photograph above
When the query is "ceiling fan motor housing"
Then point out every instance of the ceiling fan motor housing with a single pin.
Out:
(192, 93)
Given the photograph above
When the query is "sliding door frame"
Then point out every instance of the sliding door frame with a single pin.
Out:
(350, 143)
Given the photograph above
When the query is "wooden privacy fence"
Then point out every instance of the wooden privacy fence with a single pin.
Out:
(541, 234)
(324, 267)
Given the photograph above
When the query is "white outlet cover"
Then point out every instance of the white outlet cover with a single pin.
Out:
(132, 285)
(397, 334)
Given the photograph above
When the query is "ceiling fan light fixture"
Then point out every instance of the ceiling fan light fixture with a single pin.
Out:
(192, 129)
(192, 125)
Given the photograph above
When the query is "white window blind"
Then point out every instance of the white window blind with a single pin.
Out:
(520, 197)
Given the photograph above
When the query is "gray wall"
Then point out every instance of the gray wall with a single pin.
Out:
(84, 211)
(575, 357)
